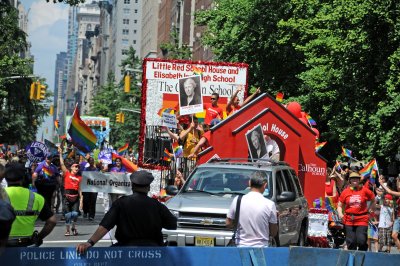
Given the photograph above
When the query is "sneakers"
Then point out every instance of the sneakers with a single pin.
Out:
(91, 218)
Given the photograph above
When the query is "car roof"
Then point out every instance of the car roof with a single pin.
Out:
(245, 163)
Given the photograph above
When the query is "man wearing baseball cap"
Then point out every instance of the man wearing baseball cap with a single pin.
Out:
(139, 218)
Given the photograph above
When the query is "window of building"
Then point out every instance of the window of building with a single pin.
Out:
(136, 1)
(135, 11)
(127, 11)
(125, 32)
(134, 31)
(125, 42)
(124, 51)
(135, 21)
(127, 2)
(134, 41)
(125, 21)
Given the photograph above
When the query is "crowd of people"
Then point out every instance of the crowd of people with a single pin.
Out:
(367, 207)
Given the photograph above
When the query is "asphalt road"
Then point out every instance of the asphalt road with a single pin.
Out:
(84, 227)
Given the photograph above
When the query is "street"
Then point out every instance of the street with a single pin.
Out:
(85, 229)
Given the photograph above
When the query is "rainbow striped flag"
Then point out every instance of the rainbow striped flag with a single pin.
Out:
(47, 171)
(81, 135)
(279, 97)
(310, 120)
(130, 166)
(319, 145)
(371, 169)
(337, 166)
(123, 149)
(178, 151)
(346, 152)
(197, 71)
(167, 155)
(329, 204)
(165, 110)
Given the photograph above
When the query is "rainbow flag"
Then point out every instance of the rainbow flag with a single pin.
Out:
(371, 169)
(279, 97)
(123, 149)
(346, 152)
(197, 71)
(47, 171)
(165, 110)
(310, 120)
(81, 135)
(337, 166)
(178, 151)
(319, 145)
(329, 204)
(130, 166)
(167, 155)
(317, 203)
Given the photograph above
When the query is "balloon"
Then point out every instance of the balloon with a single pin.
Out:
(316, 132)
(303, 114)
(294, 108)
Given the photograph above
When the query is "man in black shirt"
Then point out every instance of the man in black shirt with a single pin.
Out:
(139, 218)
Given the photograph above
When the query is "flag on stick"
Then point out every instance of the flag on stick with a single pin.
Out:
(319, 145)
(310, 120)
(329, 204)
(337, 167)
(82, 136)
(197, 71)
(346, 152)
(123, 149)
(371, 169)
(178, 151)
(130, 166)
(165, 110)
(167, 155)
(279, 97)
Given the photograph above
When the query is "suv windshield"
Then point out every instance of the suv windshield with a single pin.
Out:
(223, 181)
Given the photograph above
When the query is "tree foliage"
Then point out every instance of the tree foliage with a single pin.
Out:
(19, 116)
(339, 59)
(172, 49)
(111, 98)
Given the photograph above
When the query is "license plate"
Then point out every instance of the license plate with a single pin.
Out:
(204, 241)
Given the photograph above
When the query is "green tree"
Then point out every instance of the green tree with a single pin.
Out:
(172, 49)
(19, 116)
(111, 98)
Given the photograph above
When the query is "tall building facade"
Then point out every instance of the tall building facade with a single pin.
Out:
(148, 46)
(60, 86)
(126, 31)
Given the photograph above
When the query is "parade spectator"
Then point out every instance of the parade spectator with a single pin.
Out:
(118, 168)
(190, 93)
(2, 190)
(257, 219)
(190, 137)
(73, 195)
(28, 207)
(355, 217)
(234, 102)
(396, 224)
(142, 224)
(373, 231)
(273, 151)
(330, 184)
(386, 219)
(7, 217)
(89, 198)
(213, 110)
(179, 180)
(45, 179)
(205, 139)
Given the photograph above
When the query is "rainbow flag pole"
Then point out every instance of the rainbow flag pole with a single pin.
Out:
(81, 135)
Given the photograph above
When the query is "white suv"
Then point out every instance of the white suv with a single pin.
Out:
(203, 202)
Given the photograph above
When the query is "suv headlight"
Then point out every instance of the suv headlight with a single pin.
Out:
(175, 213)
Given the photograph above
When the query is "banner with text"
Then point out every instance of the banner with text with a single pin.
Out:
(111, 182)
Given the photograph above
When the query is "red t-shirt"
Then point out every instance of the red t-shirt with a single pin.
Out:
(212, 112)
(355, 202)
(329, 188)
(72, 181)
(398, 207)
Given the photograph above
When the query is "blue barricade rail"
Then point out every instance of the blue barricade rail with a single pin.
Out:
(166, 256)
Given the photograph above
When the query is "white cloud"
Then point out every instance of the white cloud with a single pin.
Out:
(45, 14)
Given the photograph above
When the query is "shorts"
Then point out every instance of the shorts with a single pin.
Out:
(396, 225)
(372, 232)
(385, 236)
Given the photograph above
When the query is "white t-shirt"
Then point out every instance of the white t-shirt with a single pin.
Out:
(385, 217)
(256, 212)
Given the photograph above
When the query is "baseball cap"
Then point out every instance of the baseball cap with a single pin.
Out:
(389, 197)
(354, 175)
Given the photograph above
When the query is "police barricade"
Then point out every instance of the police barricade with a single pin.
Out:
(193, 256)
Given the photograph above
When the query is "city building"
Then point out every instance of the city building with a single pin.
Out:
(148, 46)
(60, 85)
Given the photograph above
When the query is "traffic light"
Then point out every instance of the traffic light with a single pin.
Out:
(127, 83)
(40, 91)
(56, 124)
(32, 94)
(120, 118)
(51, 112)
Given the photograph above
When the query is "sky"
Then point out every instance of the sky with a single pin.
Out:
(47, 34)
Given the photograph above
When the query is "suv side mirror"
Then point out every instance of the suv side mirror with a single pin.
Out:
(286, 196)
(172, 190)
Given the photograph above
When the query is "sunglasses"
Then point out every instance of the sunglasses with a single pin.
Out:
(213, 98)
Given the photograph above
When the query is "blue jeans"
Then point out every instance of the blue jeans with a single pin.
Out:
(70, 216)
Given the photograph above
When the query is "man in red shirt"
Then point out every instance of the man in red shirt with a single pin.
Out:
(213, 110)
(355, 217)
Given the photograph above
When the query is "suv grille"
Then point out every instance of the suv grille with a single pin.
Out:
(202, 221)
